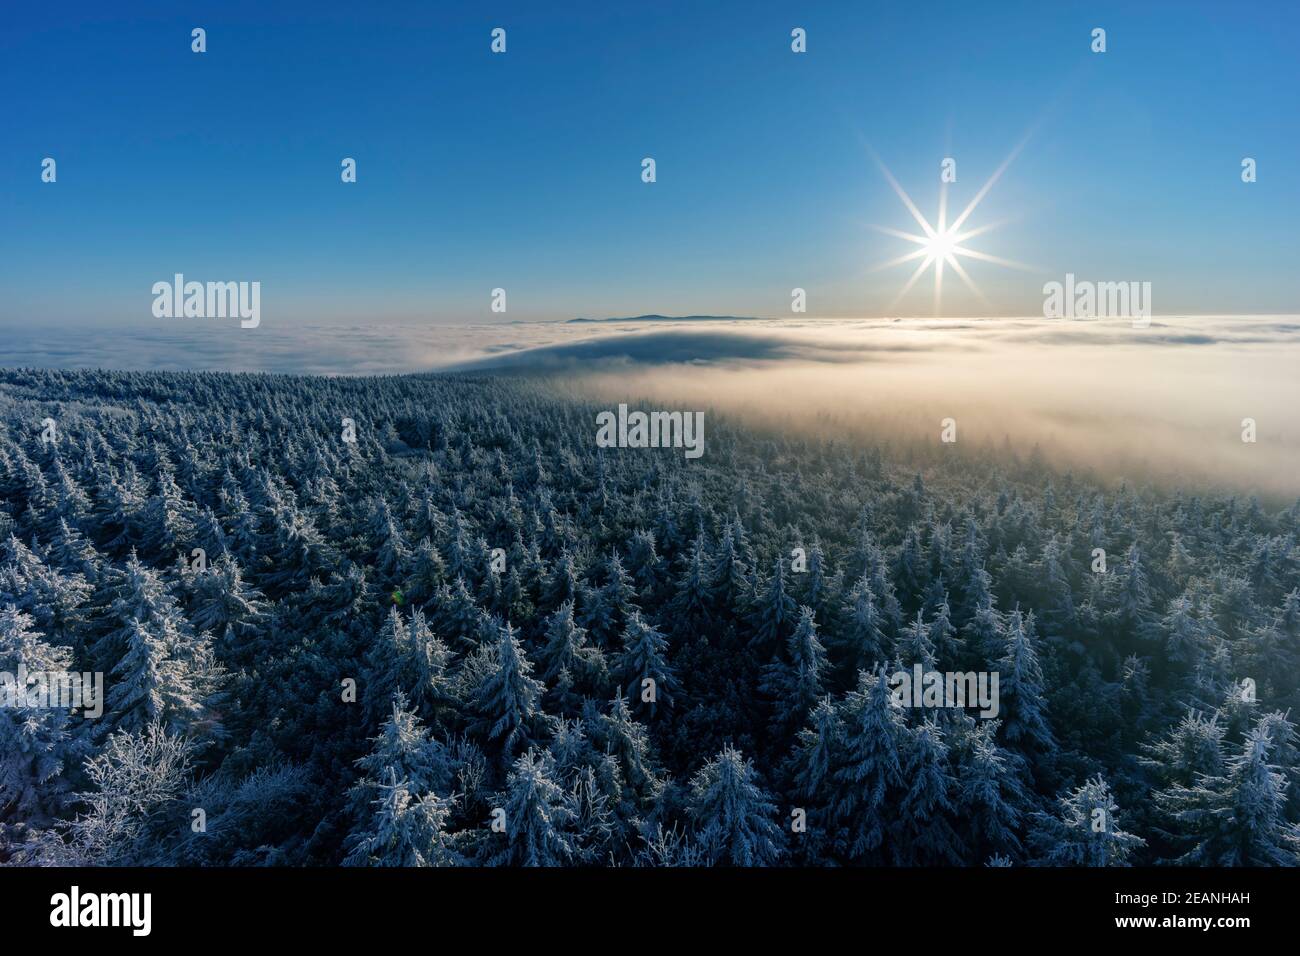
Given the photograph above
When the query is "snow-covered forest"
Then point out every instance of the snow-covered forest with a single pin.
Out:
(412, 621)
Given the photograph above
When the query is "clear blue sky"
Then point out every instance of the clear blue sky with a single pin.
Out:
(523, 170)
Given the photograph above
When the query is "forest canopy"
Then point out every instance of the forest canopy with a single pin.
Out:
(428, 620)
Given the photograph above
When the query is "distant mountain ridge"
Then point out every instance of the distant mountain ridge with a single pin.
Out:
(674, 318)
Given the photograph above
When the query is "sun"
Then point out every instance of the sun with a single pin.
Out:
(941, 245)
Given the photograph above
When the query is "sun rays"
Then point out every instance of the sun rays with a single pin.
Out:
(942, 245)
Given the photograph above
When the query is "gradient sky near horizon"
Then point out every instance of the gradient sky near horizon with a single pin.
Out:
(523, 170)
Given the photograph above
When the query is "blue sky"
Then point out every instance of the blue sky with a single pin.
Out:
(523, 170)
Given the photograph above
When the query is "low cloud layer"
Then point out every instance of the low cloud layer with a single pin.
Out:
(1166, 401)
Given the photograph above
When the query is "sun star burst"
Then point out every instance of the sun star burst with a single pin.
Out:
(942, 245)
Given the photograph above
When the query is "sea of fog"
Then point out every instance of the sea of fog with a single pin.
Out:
(1170, 399)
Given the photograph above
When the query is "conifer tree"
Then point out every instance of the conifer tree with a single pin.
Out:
(37, 743)
(568, 651)
(728, 584)
(168, 520)
(775, 614)
(404, 830)
(689, 606)
(627, 741)
(460, 618)
(223, 604)
(924, 835)
(403, 751)
(870, 771)
(1023, 707)
(151, 682)
(816, 750)
(644, 673)
(862, 642)
(1085, 830)
(507, 701)
(989, 796)
(735, 819)
(942, 635)
(563, 584)
(1237, 818)
(539, 816)
(793, 680)
(426, 575)
(915, 646)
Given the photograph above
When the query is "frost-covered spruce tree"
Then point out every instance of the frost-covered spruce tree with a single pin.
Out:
(735, 819)
(817, 591)
(869, 773)
(427, 574)
(576, 755)
(775, 613)
(405, 829)
(915, 646)
(159, 669)
(618, 596)
(460, 560)
(563, 584)
(390, 551)
(38, 743)
(1022, 704)
(1191, 750)
(643, 671)
(984, 633)
(942, 635)
(990, 797)
(1185, 631)
(57, 601)
(403, 749)
(537, 814)
(386, 660)
(129, 594)
(153, 682)
(644, 563)
(595, 821)
(793, 680)
(237, 515)
(568, 651)
(70, 499)
(507, 701)
(1058, 614)
(689, 606)
(817, 747)
(224, 605)
(923, 834)
(72, 552)
(728, 581)
(428, 668)
(620, 735)
(862, 643)
(1238, 818)
(410, 660)
(1132, 601)
(209, 535)
(169, 520)
(911, 573)
(1084, 831)
(1274, 650)
(296, 548)
(460, 618)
